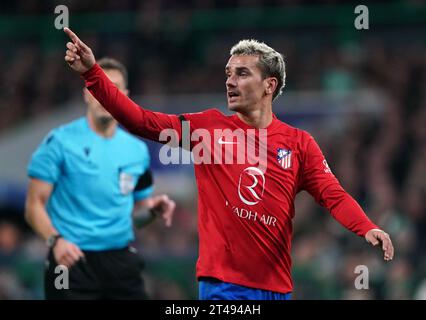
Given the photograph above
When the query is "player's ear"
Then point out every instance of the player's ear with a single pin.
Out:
(270, 85)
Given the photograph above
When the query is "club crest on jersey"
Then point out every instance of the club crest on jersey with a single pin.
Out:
(284, 158)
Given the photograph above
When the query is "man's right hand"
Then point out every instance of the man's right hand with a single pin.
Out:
(66, 253)
(78, 56)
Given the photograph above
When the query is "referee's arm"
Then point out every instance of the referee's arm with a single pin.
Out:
(35, 208)
(65, 252)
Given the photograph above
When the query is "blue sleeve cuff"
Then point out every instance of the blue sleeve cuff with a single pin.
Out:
(41, 176)
(143, 194)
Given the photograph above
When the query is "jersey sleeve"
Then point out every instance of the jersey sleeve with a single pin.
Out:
(200, 120)
(46, 162)
(157, 126)
(135, 119)
(318, 179)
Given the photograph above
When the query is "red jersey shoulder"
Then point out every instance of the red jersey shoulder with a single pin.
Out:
(306, 142)
(298, 137)
(208, 113)
(288, 138)
(203, 118)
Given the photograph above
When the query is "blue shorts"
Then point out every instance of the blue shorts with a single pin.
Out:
(213, 289)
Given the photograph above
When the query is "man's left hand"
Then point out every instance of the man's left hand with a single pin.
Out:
(163, 206)
(376, 237)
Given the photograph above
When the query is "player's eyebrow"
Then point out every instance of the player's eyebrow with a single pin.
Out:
(237, 69)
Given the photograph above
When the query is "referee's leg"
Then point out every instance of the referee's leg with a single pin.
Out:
(121, 274)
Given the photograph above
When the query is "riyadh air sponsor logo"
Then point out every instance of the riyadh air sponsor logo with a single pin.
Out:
(254, 216)
(251, 185)
(284, 158)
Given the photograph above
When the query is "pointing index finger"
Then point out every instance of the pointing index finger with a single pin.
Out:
(72, 35)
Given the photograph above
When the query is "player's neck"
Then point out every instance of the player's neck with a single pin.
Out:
(260, 118)
(103, 128)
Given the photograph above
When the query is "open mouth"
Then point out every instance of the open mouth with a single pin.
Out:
(232, 94)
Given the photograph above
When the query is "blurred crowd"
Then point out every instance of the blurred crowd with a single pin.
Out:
(37, 7)
(380, 159)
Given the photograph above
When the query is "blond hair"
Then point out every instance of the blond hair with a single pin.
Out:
(271, 62)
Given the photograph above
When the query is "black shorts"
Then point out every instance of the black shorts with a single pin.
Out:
(111, 274)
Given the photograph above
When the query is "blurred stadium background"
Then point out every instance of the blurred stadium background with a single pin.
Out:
(362, 94)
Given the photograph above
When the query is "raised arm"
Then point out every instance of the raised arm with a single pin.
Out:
(137, 120)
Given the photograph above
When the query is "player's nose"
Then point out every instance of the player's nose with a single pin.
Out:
(230, 82)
